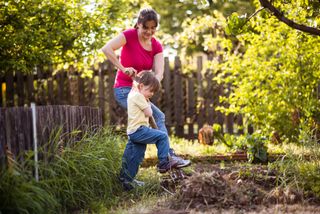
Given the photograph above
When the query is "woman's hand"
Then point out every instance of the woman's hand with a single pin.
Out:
(130, 71)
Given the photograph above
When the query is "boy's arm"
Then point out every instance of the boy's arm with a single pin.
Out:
(148, 111)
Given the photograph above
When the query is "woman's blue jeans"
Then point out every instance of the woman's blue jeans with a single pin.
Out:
(130, 164)
(135, 149)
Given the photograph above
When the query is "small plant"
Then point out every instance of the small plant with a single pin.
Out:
(256, 149)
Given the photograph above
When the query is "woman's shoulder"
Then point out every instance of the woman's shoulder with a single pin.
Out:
(157, 46)
(129, 33)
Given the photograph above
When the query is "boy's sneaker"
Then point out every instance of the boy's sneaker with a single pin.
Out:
(181, 161)
(138, 183)
(129, 185)
(168, 165)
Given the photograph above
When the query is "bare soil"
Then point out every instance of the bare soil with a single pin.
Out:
(234, 188)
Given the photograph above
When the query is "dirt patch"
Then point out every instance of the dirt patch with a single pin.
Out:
(232, 189)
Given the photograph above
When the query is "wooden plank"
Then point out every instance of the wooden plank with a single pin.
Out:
(27, 118)
(60, 88)
(240, 124)
(1, 96)
(3, 143)
(9, 89)
(167, 94)
(20, 89)
(81, 90)
(191, 113)
(50, 87)
(209, 95)
(101, 89)
(178, 95)
(113, 106)
(200, 98)
(41, 91)
(229, 123)
(30, 89)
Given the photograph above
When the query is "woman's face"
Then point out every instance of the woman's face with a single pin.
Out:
(148, 29)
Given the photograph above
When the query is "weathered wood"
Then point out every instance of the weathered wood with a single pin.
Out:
(30, 89)
(200, 97)
(60, 88)
(9, 90)
(20, 89)
(178, 98)
(102, 89)
(1, 86)
(167, 93)
(2, 138)
(51, 97)
(191, 113)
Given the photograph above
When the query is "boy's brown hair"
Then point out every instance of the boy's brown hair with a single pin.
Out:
(148, 79)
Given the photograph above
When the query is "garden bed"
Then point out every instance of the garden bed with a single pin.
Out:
(234, 188)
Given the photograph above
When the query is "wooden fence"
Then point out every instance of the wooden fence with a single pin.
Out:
(188, 100)
(16, 132)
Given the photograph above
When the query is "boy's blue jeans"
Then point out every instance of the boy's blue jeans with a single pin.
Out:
(134, 152)
(135, 149)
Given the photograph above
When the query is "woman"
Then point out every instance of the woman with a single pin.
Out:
(140, 51)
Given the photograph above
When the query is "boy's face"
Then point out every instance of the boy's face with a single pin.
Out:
(145, 91)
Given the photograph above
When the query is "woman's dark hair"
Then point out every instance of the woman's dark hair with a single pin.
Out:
(148, 79)
(147, 14)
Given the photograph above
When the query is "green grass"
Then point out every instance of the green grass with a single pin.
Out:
(84, 176)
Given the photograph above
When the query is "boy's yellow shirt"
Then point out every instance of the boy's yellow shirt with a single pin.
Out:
(136, 117)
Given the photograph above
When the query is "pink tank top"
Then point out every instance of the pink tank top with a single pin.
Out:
(134, 55)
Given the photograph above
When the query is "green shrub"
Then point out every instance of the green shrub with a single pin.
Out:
(21, 194)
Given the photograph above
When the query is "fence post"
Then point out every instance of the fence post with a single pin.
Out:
(35, 142)
(191, 107)
(178, 97)
(200, 98)
(167, 94)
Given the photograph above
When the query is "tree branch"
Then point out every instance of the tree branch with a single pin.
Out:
(290, 23)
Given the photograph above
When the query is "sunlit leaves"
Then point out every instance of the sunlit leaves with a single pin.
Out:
(235, 24)
(54, 31)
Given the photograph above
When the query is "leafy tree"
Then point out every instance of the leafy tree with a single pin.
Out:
(274, 82)
(36, 32)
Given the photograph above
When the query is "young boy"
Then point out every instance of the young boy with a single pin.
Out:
(140, 134)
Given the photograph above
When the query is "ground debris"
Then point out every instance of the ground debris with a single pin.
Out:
(236, 188)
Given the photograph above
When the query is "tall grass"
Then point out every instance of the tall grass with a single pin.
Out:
(300, 168)
(80, 176)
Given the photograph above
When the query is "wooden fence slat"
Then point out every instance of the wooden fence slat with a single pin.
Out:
(51, 96)
(101, 89)
(1, 86)
(2, 137)
(20, 89)
(191, 106)
(30, 89)
(167, 93)
(178, 101)
(200, 97)
(9, 90)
